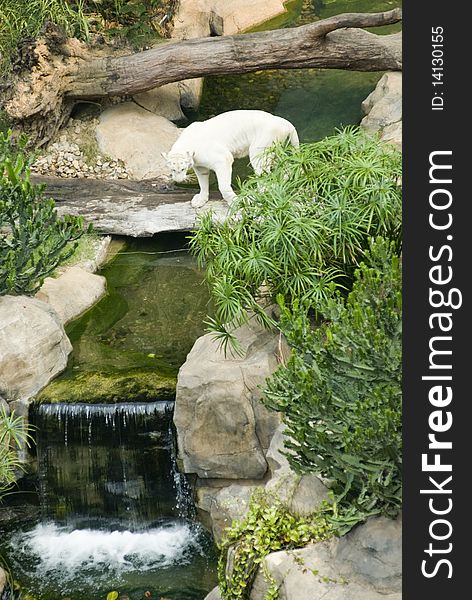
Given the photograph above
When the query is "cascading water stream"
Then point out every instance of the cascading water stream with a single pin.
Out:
(116, 460)
(115, 511)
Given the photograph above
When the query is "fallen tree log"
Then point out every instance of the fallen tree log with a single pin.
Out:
(64, 72)
(318, 44)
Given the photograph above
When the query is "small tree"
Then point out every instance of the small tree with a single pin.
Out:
(33, 239)
(340, 392)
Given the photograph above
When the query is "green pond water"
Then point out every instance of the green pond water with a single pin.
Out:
(132, 343)
(316, 101)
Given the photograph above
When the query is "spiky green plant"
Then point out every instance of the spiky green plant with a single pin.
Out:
(301, 229)
(13, 434)
(34, 240)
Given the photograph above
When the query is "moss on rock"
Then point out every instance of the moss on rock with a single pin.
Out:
(96, 387)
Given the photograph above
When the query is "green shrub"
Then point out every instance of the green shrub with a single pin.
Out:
(24, 19)
(340, 392)
(268, 526)
(301, 229)
(33, 239)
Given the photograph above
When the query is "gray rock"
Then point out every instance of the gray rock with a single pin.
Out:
(302, 494)
(3, 580)
(239, 15)
(73, 292)
(372, 553)
(230, 504)
(393, 133)
(363, 565)
(163, 101)
(275, 457)
(383, 108)
(100, 253)
(217, 25)
(33, 346)
(137, 137)
(308, 495)
(218, 435)
(214, 594)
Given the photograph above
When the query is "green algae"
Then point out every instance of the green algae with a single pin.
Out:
(130, 345)
(293, 11)
(137, 385)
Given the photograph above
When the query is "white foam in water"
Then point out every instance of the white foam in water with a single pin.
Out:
(66, 552)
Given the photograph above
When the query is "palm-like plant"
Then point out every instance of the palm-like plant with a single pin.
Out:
(301, 229)
(13, 435)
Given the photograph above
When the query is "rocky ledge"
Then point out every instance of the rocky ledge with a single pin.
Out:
(383, 109)
(131, 208)
(139, 384)
(365, 564)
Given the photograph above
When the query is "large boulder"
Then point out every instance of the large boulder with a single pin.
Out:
(240, 15)
(73, 292)
(137, 137)
(383, 109)
(363, 565)
(197, 18)
(223, 429)
(224, 501)
(33, 346)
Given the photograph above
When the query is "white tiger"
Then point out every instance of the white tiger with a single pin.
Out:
(215, 143)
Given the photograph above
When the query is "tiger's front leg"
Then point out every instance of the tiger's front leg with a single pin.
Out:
(203, 176)
(224, 172)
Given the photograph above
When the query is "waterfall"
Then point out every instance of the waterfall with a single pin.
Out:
(109, 462)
